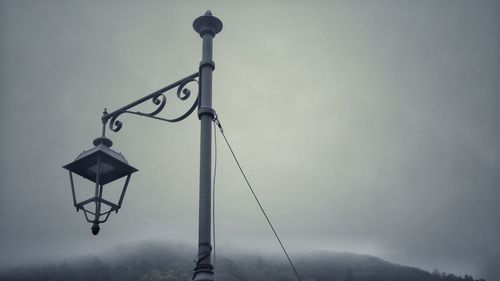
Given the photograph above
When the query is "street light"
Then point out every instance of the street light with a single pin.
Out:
(102, 165)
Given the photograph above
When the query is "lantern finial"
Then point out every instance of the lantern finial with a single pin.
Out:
(95, 229)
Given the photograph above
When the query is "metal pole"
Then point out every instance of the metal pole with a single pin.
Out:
(207, 26)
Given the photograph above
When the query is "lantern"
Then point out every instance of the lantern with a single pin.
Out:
(100, 165)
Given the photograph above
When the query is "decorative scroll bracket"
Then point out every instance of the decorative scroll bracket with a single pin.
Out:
(157, 98)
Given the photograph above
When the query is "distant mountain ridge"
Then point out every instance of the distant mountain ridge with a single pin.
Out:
(164, 262)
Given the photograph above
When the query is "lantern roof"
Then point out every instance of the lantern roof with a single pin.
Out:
(113, 164)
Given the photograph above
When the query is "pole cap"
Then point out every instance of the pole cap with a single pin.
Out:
(207, 24)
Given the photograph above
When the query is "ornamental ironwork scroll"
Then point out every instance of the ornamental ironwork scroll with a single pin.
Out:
(159, 100)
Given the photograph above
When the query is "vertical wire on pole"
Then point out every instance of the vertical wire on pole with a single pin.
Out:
(213, 193)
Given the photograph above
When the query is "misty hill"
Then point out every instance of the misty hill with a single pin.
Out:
(165, 262)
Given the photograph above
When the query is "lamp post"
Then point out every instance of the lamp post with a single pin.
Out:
(102, 165)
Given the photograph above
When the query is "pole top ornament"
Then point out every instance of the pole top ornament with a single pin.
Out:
(207, 24)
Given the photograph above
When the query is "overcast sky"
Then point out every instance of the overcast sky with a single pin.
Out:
(365, 126)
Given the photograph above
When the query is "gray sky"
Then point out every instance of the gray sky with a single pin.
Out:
(364, 126)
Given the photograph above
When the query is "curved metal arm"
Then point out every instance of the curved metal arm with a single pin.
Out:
(159, 99)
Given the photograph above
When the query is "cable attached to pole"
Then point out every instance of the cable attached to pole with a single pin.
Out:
(213, 190)
(219, 125)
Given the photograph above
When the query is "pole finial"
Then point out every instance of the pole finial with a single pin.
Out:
(207, 24)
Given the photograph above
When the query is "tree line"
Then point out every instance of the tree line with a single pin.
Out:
(161, 262)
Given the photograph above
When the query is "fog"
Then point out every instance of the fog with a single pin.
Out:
(364, 126)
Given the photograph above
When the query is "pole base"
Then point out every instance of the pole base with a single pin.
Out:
(204, 276)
